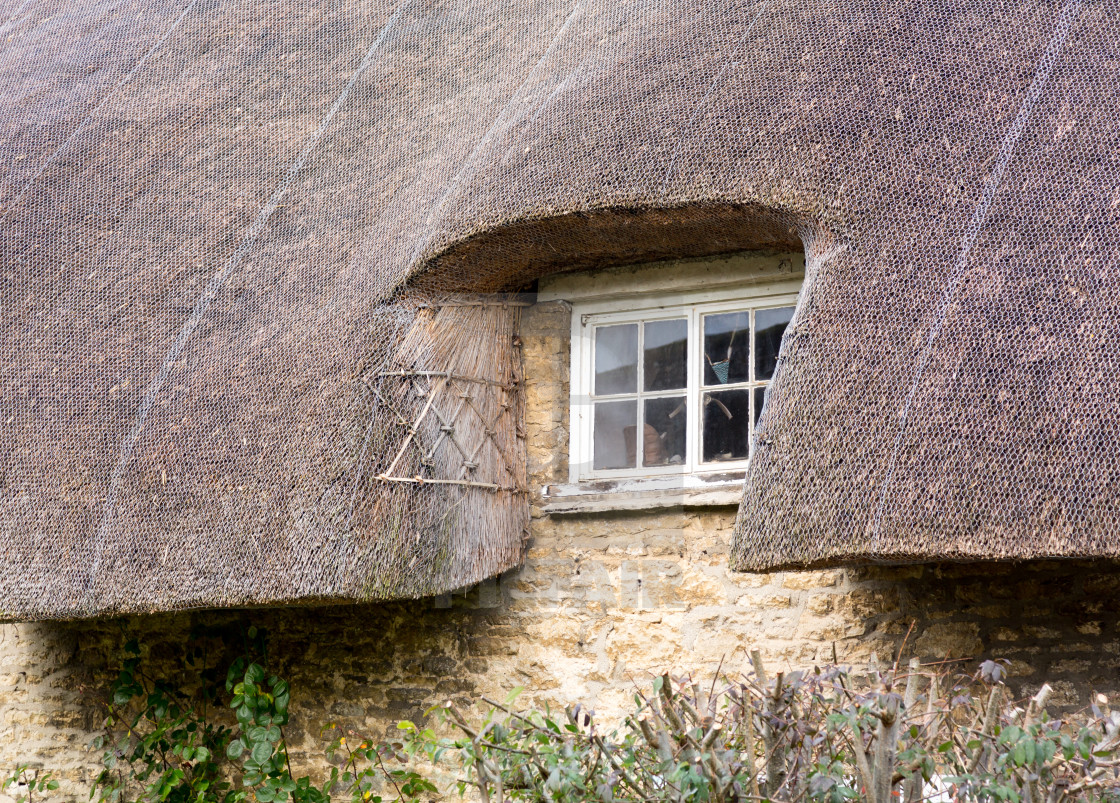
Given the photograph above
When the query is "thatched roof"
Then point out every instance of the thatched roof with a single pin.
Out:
(225, 230)
(951, 382)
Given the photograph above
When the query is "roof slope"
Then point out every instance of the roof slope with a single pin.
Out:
(212, 368)
(951, 383)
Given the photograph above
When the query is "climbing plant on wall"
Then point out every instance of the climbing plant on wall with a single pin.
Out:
(204, 736)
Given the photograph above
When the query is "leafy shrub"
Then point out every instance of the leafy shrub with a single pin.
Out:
(822, 735)
(28, 783)
(830, 734)
(219, 738)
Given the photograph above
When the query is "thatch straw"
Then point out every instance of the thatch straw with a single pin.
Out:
(211, 217)
(445, 461)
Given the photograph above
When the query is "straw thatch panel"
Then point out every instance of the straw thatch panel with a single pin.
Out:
(211, 216)
(951, 382)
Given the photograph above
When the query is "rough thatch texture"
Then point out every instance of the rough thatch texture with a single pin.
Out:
(209, 212)
(411, 484)
(951, 383)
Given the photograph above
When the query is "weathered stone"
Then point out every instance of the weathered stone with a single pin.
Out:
(956, 639)
(1070, 666)
(1042, 632)
(1020, 669)
(862, 602)
(807, 580)
(819, 604)
(776, 601)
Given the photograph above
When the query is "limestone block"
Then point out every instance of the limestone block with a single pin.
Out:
(956, 639)
(807, 580)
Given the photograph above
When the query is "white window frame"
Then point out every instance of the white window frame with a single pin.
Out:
(690, 304)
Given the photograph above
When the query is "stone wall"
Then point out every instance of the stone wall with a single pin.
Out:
(601, 602)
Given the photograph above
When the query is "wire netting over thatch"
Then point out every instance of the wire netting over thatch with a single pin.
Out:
(226, 229)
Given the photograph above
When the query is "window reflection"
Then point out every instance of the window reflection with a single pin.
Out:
(727, 348)
(727, 431)
(616, 359)
(759, 399)
(770, 325)
(616, 424)
(665, 431)
(665, 344)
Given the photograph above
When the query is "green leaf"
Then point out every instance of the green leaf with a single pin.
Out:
(235, 749)
(261, 752)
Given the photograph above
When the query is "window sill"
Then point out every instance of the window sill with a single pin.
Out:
(604, 496)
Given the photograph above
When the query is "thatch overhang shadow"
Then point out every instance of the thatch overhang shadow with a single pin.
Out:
(509, 256)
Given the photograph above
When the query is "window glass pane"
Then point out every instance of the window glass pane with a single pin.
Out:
(666, 348)
(615, 428)
(727, 348)
(616, 359)
(665, 428)
(769, 325)
(727, 430)
(759, 398)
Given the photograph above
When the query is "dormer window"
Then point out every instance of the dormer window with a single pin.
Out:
(674, 388)
(669, 368)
